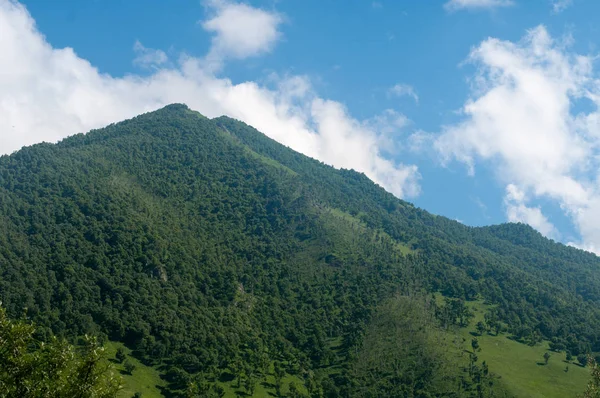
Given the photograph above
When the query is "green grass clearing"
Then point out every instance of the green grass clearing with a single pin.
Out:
(522, 367)
(145, 379)
(354, 225)
(264, 388)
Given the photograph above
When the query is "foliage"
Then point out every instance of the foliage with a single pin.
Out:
(406, 354)
(593, 388)
(120, 355)
(129, 367)
(30, 368)
(583, 359)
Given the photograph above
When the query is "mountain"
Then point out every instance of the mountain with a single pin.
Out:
(220, 256)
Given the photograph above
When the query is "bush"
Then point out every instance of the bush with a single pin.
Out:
(120, 355)
(129, 367)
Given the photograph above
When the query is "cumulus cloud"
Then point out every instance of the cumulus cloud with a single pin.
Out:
(241, 31)
(48, 94)
(454, 5)
(401, 89)
(517, 211)
(522, 120)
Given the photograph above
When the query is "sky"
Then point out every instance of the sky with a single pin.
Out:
(484, 111)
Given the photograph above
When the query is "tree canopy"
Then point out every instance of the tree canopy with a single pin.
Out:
(33, 368)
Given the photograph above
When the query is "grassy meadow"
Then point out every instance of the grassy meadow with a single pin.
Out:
(522, 368)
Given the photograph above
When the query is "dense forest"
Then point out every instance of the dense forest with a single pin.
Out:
(212, 252)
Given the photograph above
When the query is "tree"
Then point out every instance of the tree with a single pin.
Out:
(568, 356)
(293, 390)
(593, 388)
(475, 344)
(497, 328)
(480, 328)
(217, 391)
(582, 359)
(31, 368)
(485, 369)
(250, 384)
(557, 345)
(279, 373)
(120, 355)
(129, 367)
(546, 358)
(237, 369)
(310, 383)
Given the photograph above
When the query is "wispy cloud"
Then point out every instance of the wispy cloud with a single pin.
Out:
(148, 57)
(400, 90)
(454, 5)
(559, 6)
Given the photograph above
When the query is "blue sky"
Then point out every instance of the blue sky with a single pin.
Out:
(480, 110)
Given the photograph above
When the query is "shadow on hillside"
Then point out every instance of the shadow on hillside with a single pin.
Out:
(226, 377)
(266, 384)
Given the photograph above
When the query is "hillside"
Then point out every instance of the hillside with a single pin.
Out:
(225, 260)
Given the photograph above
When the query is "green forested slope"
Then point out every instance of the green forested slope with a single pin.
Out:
(541, 286)
(212, 252)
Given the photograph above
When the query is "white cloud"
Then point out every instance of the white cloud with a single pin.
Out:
(241, 31)
(561, 5)
(48, 94)
(514, 194)
(517, 211)
(389, 125)
(521, 119)
(148, 57)
(454, 5)
(401, 89)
